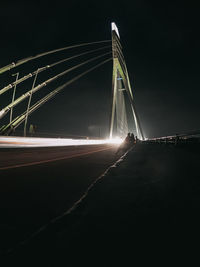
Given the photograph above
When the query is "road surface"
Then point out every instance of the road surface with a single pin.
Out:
(143, 212)
(39, 184)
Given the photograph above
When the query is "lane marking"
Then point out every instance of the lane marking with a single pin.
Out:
(52, 160)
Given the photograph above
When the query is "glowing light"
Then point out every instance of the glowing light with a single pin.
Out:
(116, 140)
(52, 142)
(114, 28)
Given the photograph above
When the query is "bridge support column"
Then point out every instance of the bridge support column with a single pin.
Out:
(120, 73)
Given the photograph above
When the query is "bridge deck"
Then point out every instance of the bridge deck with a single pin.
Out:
(38, 184)
(145, 208)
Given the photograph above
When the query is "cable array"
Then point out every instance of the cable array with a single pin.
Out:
(14, 123)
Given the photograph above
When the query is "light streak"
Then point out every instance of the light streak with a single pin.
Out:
(19, 142)
(115, 140)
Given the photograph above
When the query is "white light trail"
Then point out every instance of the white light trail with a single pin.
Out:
(52, 142)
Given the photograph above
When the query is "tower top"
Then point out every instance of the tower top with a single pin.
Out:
(114, 28)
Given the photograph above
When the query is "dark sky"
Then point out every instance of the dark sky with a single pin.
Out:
(160, 42)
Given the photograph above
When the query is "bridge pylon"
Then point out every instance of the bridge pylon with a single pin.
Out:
(120, 87)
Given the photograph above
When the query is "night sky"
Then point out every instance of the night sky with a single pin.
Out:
(160, 42)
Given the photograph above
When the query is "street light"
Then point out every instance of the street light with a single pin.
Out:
(13, 96)
(29, 101)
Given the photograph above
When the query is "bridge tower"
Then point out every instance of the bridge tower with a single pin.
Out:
(121, 87)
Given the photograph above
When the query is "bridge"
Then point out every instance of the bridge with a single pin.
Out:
(123, 117)
(58, 193)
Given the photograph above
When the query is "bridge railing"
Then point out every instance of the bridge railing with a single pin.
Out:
(192, 137)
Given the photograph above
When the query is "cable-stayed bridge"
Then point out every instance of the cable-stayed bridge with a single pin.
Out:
(149, 190)
(123, 115)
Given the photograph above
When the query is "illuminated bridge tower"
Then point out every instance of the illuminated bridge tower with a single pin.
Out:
(122, 94)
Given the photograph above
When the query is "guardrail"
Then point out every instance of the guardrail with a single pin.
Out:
(192, 137)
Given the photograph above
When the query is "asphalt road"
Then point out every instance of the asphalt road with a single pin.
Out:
(143, 211)
(39, 184)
